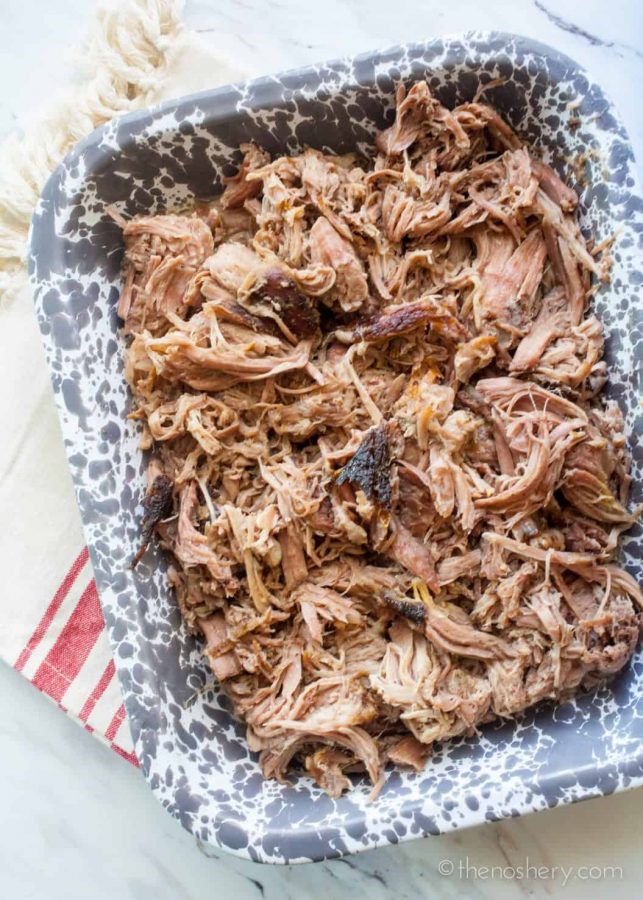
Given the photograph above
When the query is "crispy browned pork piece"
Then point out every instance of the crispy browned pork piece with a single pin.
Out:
(390, 493)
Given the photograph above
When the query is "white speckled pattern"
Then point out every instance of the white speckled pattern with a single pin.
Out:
(194, 754)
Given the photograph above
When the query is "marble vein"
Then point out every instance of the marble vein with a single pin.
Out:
(576, 30)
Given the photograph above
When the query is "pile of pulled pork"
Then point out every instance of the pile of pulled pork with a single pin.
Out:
(390, 494)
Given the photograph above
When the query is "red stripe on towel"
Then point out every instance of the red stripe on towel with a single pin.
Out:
(73, 645)
(52, 609)
(115, 724)
(99, 689)
(130, 757)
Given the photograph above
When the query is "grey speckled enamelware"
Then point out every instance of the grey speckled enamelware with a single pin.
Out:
(191, 750)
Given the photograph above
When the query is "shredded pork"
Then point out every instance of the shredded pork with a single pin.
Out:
(391, 494)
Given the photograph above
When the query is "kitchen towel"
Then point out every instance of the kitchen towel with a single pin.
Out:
(138, 53)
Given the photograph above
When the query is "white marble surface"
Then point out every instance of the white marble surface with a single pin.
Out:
(76, 821)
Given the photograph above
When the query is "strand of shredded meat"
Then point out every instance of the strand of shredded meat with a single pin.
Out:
(391, 494)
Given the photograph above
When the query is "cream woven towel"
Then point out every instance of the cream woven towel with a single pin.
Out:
(52, 630)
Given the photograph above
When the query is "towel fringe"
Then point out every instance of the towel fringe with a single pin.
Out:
(123, 61)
